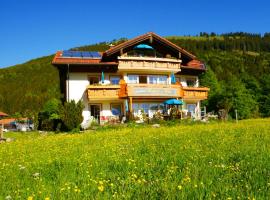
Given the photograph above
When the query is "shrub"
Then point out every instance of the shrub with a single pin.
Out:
(71, 115)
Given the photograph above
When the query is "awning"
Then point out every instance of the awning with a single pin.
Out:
(173, 102)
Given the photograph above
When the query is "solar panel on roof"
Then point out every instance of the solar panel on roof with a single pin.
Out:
(86, 54)
(83, 54)
(66, 54)
(95, 54)
(76, 54)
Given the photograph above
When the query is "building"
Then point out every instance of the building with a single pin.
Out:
(3, 115)
(139, 74)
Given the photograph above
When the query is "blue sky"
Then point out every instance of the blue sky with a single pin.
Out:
(35, 28)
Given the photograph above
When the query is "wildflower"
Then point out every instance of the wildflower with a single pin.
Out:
(47, 198)
(179, 187)
(101, 188)
(30, 198)
(8, 197)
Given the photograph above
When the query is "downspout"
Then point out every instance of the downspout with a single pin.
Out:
(68, 84)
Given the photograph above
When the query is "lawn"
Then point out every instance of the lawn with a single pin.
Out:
(199, 161)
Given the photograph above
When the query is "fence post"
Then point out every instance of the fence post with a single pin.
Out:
(2, 131)
(236, 116)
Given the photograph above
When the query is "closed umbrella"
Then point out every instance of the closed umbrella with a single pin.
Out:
(102, 77)
(173, 80)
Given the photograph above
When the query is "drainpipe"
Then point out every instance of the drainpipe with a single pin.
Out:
(68, 83)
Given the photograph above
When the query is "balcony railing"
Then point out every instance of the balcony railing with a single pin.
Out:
(101, 92)
(148, 63)
(150, 90)
(199, 93)
(123, 90)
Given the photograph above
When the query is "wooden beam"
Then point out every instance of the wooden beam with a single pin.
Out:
(130, 104)
(151, 39)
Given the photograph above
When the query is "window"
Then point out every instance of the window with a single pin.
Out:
(93, 80)
(162, 79)
(153, 79)
(133, 79)
(191, 108)
(142, 79)
(191, 82)
(147, 108)
(156, 79)
(115, 80)
(116, 109)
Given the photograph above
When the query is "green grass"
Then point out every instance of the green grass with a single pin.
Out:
(199, 161)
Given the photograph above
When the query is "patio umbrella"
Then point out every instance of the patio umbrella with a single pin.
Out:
(143, 46)
(173, 102)
(173, 80)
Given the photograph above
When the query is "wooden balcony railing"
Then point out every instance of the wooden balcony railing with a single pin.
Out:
(198, 93)
(123, 90)
(146, 63)
(101, 92)
(150, 90)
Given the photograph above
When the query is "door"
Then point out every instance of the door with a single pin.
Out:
(95, 111)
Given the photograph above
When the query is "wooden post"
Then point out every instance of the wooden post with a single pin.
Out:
(2, 131)
(130, 107)
(236, 116)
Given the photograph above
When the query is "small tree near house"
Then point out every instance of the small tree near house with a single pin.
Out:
(71, 115)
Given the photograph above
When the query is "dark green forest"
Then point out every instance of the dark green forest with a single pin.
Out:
(238, 74)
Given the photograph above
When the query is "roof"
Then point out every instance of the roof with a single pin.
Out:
(59, 58)
(3, 114)
(99, 58)
(141, 38)
(10, 120)
(195, 64)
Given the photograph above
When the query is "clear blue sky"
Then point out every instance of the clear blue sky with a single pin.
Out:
(35, 28)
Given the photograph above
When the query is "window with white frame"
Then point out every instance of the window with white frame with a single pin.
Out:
(157, 79)
(133, 79)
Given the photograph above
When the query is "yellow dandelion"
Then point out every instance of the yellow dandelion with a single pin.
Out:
(30, 198)
(47, 198)
(101, 188)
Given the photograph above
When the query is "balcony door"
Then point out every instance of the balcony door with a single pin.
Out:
(95, 111)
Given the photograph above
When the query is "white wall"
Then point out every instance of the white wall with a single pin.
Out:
(76, 88)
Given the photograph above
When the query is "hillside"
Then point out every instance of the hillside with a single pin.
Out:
(217, 161)
(238, 74)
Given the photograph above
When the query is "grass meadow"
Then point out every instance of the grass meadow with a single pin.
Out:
(199, 161)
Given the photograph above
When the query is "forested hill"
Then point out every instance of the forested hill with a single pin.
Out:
(238, 74)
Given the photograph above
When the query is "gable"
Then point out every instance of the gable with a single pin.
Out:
(158, 43)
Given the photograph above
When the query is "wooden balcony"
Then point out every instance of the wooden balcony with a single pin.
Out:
(150, 90)
(103, 92)
(148, 63)
(123, 90)
(196, 93)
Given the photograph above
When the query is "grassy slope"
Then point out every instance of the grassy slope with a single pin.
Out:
(224, 160)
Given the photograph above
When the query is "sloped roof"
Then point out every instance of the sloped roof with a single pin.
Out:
(10, 120)
(59, 59)
(144, 37)
(3, 114)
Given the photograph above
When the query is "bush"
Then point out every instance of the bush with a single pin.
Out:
(71, 115)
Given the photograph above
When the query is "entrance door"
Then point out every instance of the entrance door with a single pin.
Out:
(95, 111)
